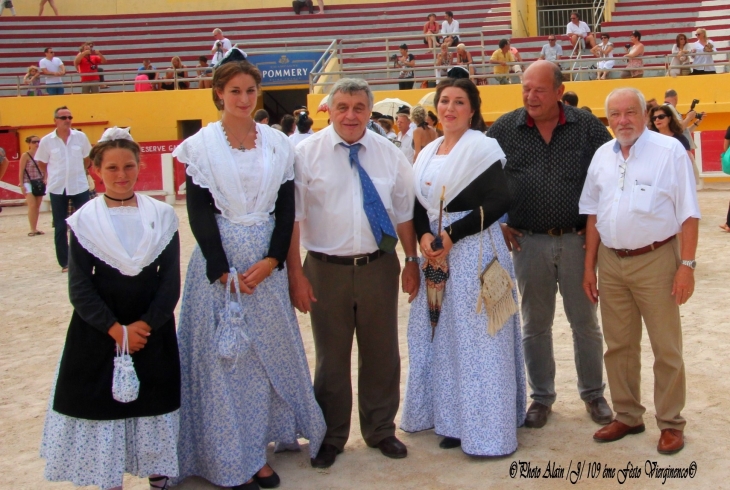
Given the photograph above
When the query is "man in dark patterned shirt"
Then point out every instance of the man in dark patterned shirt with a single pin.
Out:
(549, 147)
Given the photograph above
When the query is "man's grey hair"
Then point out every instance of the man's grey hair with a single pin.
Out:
(631, 90)
(557, 77)
(351, 86)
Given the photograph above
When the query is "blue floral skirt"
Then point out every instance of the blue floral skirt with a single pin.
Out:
(465, 383)
(232, 408)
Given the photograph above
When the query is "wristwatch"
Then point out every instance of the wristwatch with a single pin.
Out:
(690, 263)
(411, 259)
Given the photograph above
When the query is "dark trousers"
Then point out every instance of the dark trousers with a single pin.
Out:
(59, 210)
(405, 85)
(363, 301)
(297, 5)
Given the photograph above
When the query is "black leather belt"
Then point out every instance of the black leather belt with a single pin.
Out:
(557, 231)
(356, 260)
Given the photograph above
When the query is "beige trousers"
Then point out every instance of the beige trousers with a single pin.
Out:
(630, 289)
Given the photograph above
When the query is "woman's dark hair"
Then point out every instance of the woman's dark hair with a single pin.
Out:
(97, 152)
(637, 35)
(472, 93)
(304, 122)
(386, 124)
(433, 117)
(680, 36)
(577, 14)
(224, 73)
(30, 138)
(674, 125)
(287, 124)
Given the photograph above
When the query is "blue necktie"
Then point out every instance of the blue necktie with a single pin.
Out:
(378, 218)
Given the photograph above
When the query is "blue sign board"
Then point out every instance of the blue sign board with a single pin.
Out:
(290, 68)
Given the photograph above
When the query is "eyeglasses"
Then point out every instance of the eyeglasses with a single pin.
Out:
(574, 18)
(551, 40)
(661, 117)
(35, 142)
(63, 118)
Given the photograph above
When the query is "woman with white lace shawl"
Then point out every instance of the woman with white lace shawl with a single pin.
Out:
(124, 282)
(240, 198)
(467, 382)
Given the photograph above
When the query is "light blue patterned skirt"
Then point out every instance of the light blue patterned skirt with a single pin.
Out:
(466, 384)
(231, 409)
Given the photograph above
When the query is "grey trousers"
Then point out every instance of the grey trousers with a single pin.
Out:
(362, 301)
(544, 266)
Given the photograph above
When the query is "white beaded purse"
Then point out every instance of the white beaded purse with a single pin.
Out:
(125, 383)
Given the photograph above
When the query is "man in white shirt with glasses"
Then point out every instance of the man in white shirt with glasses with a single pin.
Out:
(640, 195)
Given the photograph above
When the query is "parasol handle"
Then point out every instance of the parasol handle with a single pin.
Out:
(437, 243)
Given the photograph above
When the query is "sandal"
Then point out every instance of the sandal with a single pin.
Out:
(155, 479)
(32, 233)
(39, 232)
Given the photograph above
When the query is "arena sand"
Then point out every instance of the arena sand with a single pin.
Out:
(35, 313)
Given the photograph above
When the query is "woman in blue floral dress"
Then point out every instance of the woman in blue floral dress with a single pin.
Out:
(466, 384)
(240, 198)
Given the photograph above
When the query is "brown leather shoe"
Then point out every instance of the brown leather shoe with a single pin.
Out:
(392, 448)
(537, 415)
(600, 412)
(671, 441)
(616, 430)
(326, 456)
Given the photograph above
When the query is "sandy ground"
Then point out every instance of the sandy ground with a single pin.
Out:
(36, 311)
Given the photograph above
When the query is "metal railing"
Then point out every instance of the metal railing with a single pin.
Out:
(333, 51)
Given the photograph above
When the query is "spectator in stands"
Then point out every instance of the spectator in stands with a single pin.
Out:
(7, 4)
(297, 5)
(204, 72)
(570, 98)
(518, 58)
(386, 122)
(220, 47)
(635, 50)
(169, 80)
(405, 136)
(726, 145)
(180, 72)
(52, 3)
(405, 61)
(320, 4)
(147, 66)
(304, 126)
(603, 50)
(430, 29)
(261, 116)
(703, 49)
(142, 83)
(287, 124)
(552, 51)
(464, 58)
(53, 69)
(501, 57)
(423, 134)
(433, 121)
(88, 61)
(32, 78)
(450, 29)
(443, 59)
(681, 52)
(577, 30)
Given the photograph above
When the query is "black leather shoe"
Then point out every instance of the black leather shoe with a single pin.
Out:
(600, 412)
(449, 443)
(271, 481)
(537, 415)
(392, 448)
(326, 456)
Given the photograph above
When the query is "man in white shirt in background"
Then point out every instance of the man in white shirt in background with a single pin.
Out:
(552, 50)
(63, 157)
(577, 29)
(53, 69)
(354, 189)
(220, 47)
(405, 136)
(638, 195)
(450, 30)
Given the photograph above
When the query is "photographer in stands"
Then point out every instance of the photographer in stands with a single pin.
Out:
(88, 61)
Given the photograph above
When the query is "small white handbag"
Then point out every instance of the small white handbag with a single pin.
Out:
(125, 383)
(230, 337)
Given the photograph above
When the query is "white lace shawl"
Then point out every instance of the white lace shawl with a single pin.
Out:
(470, 157)
(211, 165)
(95, 231)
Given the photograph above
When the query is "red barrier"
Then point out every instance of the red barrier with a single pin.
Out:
(712, 144)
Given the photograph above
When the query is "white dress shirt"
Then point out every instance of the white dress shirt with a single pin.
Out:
(406, 145)
(658, 192)
(66, 171)
(225, 47)
(329, 205)
(450, 29)
(581, 29)
(297, 137)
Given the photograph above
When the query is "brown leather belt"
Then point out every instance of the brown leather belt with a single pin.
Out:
(640, 251)
(356, 260)
(557, 231)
